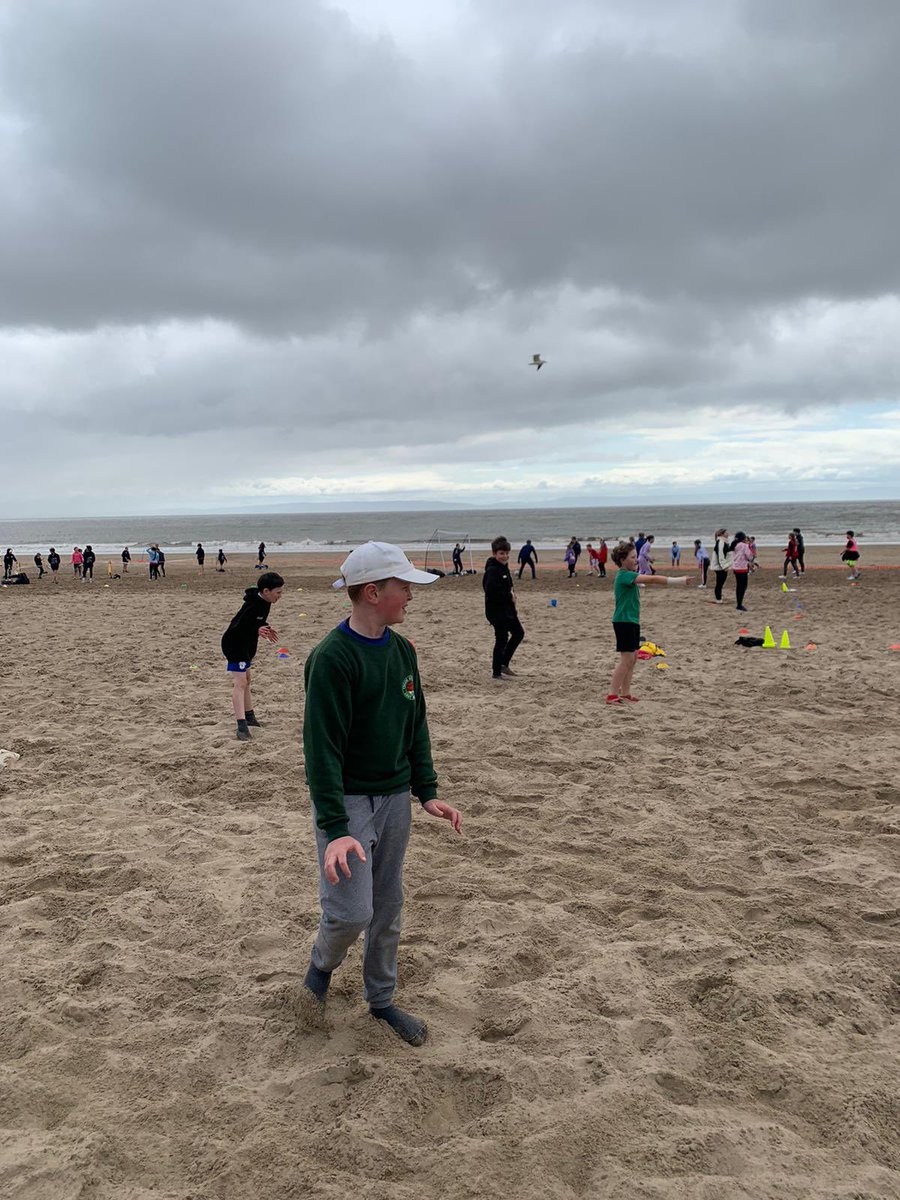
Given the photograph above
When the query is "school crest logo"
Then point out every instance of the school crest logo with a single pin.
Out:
(409, 688)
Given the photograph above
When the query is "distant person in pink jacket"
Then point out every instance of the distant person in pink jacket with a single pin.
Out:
(741, 566)
(77, 560)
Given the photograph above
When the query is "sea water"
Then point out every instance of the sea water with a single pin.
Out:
(823, 524)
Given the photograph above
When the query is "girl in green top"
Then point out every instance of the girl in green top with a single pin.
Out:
(627, 616)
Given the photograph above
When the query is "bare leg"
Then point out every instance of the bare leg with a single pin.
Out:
(629, 674)
(240, 695)
(621, 680)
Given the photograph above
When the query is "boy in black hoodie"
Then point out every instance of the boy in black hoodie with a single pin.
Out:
(240, 641)
(500, 609)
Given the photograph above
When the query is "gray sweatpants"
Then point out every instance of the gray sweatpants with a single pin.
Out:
(371, 899)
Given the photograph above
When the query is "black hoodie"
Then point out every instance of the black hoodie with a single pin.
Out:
(497, 584)
(241, 638)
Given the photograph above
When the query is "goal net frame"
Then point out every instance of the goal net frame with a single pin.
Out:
(440, 545)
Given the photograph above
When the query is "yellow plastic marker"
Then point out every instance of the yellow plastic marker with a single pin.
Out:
(768, 639)
(785, 643)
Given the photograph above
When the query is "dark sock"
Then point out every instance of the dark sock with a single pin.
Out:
(406, 1026)
(317, 981)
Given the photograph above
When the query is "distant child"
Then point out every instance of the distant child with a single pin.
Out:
(645, 560)
(500, 610)
(754, 554)
(676, 554)
(593, 560)
(571, 558)
(39, 563)
(627, 616)
(702, 556)
(153, 562)
(604, 557)
(801, 550)
(851, 556)
(8, 560)
(791, 557)
(221, 560)
(160, 559)
(77, 560)
(721, 561)
(88, 558)
(457, 560)
(241, 640)
(261, 554)
(201, 555)
(367, 747)
(53, 561)
(741, 566)
(126, 559)
(528, 556)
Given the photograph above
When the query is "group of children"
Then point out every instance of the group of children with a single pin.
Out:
(221, 559)
(367, 746)
(366, 740)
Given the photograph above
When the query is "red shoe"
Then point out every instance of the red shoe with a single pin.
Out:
(612, 698)
(633, 699)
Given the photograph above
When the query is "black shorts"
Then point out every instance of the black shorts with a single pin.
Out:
(628, 636)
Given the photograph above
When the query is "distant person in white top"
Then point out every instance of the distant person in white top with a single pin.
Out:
(721, 561)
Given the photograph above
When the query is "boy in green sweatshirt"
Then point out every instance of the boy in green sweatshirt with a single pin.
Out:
(366, 744)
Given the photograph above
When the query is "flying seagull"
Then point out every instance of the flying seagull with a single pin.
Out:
(537, 361)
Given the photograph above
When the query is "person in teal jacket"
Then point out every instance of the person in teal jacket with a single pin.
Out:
(367, 748)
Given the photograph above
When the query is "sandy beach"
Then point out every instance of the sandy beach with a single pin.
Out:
(662, 962)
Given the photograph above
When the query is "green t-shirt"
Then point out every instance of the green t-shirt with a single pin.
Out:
(365, 731)
(628, 599)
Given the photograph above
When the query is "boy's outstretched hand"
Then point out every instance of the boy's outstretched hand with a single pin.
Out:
(438, 808)
(268, 633)
(336, 855)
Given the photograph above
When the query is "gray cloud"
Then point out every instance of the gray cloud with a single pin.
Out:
(267, 218)
(274, 167)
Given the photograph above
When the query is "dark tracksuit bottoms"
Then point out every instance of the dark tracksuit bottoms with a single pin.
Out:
(508, 635)
(740, 586)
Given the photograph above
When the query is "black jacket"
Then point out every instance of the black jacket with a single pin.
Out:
(241, 638)
(498, 586)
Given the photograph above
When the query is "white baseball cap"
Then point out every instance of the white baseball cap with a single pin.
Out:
(379, 560)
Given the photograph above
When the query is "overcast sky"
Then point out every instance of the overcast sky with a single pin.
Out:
(255, 252)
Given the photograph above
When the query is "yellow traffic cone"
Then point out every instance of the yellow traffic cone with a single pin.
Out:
(785, 643)
(768, 640)
(785, 588)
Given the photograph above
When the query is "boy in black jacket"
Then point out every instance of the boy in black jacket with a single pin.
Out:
(240, 641)
(500, 609)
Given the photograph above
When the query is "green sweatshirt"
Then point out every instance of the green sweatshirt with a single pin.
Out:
(365, 731)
